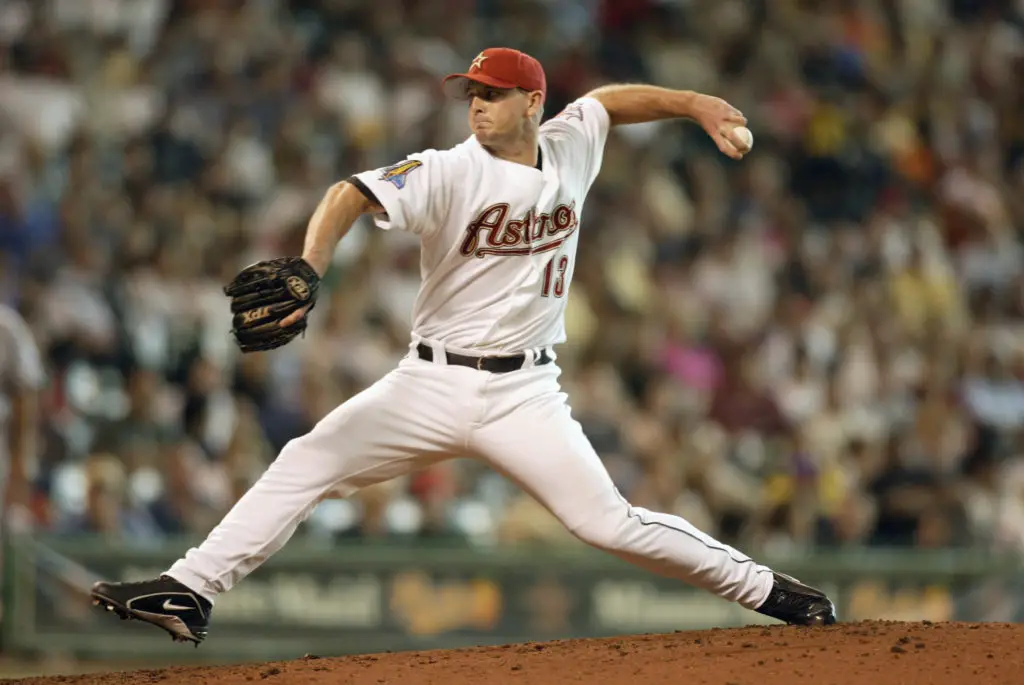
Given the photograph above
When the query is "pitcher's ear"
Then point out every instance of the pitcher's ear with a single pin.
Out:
(536, 102)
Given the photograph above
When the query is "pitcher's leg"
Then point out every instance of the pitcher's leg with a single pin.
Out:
(411, 417)
(544, 450)
(394, 427)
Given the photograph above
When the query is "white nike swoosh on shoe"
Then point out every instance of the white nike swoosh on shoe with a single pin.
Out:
(170, 606)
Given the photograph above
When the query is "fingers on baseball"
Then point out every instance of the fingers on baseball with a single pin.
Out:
(728, 147)
(735, 140)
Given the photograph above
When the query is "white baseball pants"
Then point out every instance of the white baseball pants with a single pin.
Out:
(423, 412)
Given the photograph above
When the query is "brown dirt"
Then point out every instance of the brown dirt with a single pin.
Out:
(883, 653)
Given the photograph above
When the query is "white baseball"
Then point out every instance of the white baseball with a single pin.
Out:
(743, 134)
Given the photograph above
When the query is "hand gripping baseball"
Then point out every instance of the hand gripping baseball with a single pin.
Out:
(264, 294)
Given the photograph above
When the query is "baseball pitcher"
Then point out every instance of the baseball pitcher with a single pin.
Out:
(498, 218)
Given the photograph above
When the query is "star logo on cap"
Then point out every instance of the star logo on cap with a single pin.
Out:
(478, 62)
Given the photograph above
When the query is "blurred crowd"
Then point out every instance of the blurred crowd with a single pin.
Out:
(819, 346)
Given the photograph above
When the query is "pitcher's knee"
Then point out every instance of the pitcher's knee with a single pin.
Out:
(322, 439)
(304, 463)
(294, 448)
(601, 530)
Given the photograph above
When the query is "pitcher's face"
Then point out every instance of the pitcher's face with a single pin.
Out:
(500, 115)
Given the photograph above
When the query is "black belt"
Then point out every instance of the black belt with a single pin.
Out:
(492, 364)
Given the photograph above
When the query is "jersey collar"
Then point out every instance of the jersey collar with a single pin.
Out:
(483, 151)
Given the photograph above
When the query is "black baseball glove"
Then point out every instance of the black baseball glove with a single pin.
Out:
(265, 293)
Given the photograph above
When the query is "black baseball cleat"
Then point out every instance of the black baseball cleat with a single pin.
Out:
(163, 602)
(797, 604)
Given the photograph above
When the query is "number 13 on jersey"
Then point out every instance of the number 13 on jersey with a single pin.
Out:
(554, 277)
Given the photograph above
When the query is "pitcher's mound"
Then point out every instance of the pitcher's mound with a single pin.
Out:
(879, 653)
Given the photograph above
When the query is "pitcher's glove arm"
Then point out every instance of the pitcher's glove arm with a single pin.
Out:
(265, 293)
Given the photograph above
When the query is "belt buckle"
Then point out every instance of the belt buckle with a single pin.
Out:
(480, 363)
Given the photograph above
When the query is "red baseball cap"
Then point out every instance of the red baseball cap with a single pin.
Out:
(499, 68)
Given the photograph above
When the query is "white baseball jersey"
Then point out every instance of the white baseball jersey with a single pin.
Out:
(498, 238)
